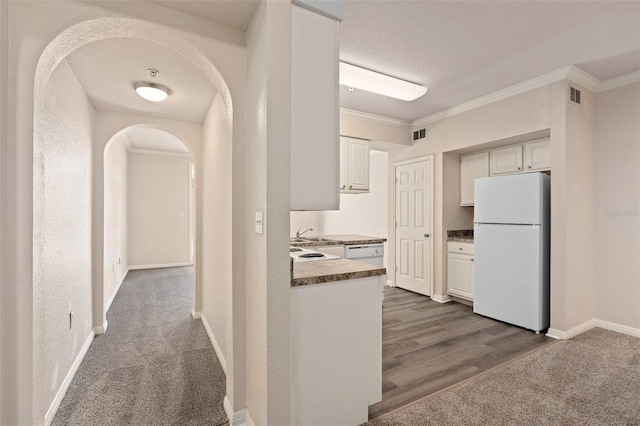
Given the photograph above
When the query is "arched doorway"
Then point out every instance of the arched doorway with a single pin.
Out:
(83, 163)
(146, 228)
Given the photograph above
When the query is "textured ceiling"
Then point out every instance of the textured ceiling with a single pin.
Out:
(460, 50)
(107, 69)
(231, 13)
(464, 50)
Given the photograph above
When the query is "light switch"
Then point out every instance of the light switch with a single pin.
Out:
(259, 223)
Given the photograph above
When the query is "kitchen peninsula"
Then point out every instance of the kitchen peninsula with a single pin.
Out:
(336, 337)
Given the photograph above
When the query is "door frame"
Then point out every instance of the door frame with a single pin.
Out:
(396, 164)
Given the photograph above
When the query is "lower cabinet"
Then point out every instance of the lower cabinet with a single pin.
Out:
(336, 351)
(460, 269)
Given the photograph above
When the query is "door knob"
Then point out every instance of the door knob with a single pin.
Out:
(427, 235)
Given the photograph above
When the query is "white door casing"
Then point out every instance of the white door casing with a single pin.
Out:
(414, 225)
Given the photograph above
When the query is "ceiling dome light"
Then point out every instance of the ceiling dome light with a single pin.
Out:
(151, 91)
(371, 81)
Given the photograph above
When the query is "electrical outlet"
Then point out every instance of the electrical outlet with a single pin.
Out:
(259, 223)
(181, 215)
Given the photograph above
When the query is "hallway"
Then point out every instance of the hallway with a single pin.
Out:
(154, 365)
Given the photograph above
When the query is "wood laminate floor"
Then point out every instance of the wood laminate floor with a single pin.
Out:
(428, 346)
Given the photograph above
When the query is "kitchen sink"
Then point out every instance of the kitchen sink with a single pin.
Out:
(308, 239)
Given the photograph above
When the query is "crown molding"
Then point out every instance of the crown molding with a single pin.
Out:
(516, 89)
(583, 78)
(570, 72)
(373, 118)
(623, 80)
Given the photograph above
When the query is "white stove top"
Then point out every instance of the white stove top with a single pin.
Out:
(303, 255)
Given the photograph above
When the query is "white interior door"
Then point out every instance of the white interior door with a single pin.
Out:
(413, 240)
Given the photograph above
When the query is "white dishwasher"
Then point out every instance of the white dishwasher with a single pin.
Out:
(368, 253)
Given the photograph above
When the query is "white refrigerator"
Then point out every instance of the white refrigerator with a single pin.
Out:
(511, 243)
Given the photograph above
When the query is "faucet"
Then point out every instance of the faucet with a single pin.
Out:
(298, 233)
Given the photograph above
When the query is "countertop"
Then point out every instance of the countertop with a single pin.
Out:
(324, 271)
(335, 240)
(461, 236)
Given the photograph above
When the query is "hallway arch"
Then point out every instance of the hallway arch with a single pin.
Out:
(160, 152)
(52, 57)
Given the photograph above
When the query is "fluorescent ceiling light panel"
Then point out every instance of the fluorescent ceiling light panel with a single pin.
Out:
(371, 81)
(151, 91)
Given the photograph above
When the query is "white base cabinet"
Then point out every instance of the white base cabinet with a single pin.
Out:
(336, 339)
(460, 270)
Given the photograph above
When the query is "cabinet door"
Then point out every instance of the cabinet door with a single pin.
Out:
(358, 165)
(314, 111)
(537, 155)
(506, 160)
(471, 167)
(460, 275)
(344, 163)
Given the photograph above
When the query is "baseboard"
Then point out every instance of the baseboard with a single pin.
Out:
(214, 343)
(635, 332)
(196, 314)
(390, 283)
(159, 265)
(441, 299)
(62, 390)
(101, 329)
(248, 421)
(237, 418)
(113, 295)
(588, 325)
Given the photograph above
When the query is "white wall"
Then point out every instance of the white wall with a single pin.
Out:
(362, 214)
(116, 262)
(158, 210)
(268, 190)
(580, 234)
(62, 234)
(216, 209)
(617, 212)
(5, 393)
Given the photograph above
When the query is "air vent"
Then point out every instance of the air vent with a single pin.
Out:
(419, 134)
(574, 95)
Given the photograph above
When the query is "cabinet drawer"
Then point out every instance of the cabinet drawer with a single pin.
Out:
(456, 247)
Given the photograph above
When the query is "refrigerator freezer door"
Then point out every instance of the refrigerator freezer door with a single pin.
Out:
(510, 199)
(511, 277)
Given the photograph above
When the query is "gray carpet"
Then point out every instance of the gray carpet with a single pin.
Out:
(154, 366)
(592, 379)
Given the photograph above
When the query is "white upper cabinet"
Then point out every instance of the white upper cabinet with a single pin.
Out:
(314, 111)
(354, 165)
(471, 167)
(537, 155)
(506, 160)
